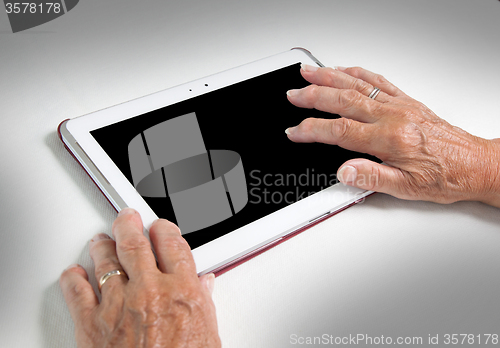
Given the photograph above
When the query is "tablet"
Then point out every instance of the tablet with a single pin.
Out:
(211, 156)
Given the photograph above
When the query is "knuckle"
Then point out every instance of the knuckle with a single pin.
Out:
(189, 302)
(307, 125)
(407, 136)
(175, 243)
(80, 289)
(331, 76)
(147, 284)
(133, 245)
(185, 263)
(183, 297)
(411, 114)
(74, 292)
(360, 86)
(381, 80)
(150, 292)
(330, 73)
(348, 98)
(340, 128)
(422, 108)
(424, 113)
(377, 109)
(309, 93)
(355, 71)
(313, 94)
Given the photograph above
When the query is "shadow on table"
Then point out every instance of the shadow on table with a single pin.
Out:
(55, 320)
(476, 210)
(422, 295)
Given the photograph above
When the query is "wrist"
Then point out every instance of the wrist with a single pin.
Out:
(491, 171)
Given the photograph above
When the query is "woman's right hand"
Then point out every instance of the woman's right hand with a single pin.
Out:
(426, 158)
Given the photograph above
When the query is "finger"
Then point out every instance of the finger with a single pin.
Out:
(208, 283)
(344, 102)
(337, 79)
(78, 293)
(349, 134)
(132, 247)
(103, 253)
(368, 175)
(172, 251)
(375, 80)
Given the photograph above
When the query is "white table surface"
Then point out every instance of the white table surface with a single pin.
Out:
(385, 267)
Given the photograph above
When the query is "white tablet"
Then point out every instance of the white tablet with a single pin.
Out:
(211, 155)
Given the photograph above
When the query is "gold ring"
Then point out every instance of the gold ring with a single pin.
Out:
(108, 275)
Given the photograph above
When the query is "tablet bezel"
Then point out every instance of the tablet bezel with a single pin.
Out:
(231, 247)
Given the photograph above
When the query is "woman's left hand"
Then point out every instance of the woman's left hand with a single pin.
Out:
(164, 305)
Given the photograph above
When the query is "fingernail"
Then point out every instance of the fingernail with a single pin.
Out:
(292, 92)
(72, 266)
(211, 282)
(289, 130)
(347, 174)
(99, 236)
(308, 68)
(341, 68)
(126, 211)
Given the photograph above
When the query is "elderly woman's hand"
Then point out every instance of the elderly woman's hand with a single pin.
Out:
(426, 158)
(158, 306)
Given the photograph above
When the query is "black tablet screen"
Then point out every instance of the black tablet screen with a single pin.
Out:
(219, 161)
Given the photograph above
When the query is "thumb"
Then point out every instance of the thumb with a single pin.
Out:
(368, 175)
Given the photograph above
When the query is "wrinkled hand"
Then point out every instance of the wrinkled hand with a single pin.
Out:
(426, 158)
(158, 306)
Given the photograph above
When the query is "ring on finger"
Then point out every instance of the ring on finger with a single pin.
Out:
(374, 93)
(108, 275)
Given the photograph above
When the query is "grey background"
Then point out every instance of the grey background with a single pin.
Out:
(385, 267)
